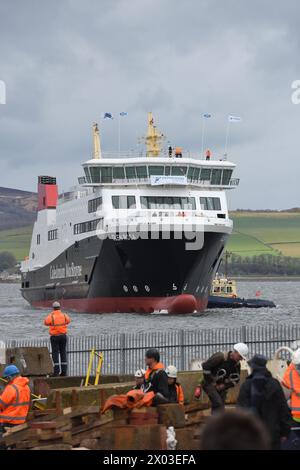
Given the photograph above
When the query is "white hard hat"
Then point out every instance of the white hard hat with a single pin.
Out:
(242, 349)
(171, 372)
(139, 373)
(296, 357)
(56, 305)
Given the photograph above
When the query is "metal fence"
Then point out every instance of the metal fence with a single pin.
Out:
(124, 352)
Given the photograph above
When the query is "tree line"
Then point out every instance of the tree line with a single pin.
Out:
(263, 264)
(7, 261)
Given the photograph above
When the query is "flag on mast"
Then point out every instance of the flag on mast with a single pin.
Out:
(107, 116)
(232, 118)
(123, 113)
(207, 115)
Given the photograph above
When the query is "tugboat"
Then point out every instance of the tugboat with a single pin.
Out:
(224, 295)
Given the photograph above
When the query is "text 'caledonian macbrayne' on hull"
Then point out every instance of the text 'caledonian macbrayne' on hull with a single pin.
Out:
(138, 234)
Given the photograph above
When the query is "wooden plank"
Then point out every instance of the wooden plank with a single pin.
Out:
(53, 447)
(91, 434)
(196, 407)
(43, 425)
(26, 434)
(26, 444)
(49, 435)
(15, 429)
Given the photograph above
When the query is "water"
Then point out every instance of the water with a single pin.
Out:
(19, 321)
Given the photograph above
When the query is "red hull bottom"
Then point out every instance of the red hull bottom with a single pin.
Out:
(180, 304)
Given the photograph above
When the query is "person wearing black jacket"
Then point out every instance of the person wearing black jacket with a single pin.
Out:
(263, 395)
(156, 379)
(222, 372)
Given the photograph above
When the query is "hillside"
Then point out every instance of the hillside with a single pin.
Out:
(17, 208)
(16, 241)
(258, 233)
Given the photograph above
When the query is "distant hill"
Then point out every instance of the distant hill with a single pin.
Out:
(17, 208)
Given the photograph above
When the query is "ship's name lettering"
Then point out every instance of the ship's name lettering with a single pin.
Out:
(58, 272)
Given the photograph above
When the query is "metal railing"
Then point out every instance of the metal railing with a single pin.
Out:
(147, 181)
(124, 352)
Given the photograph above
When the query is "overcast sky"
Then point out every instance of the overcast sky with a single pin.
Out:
(65, 62)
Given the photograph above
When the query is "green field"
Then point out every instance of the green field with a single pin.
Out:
(254, 234)
(265, 233)
(16, 241)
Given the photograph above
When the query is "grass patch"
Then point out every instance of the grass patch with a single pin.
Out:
(16, 241)
(260, 233)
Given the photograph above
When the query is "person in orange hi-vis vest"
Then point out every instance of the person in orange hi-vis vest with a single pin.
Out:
(58, 322)
(176, 394)
(178, 152)
(15, 398)
(207, 154)
(291, 381)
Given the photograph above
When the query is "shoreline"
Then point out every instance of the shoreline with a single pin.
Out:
(265, 278)
(235, 278)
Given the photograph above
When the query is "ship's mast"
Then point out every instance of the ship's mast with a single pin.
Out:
(153, 138)
(96, 143)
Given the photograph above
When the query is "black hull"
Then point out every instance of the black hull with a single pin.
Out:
(128, 275)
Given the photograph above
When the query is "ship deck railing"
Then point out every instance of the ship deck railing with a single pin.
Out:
(147, 181)
(136, 153)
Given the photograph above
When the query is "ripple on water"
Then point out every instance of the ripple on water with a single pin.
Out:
(19, 320)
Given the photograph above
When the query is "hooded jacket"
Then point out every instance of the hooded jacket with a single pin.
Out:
(263, 395)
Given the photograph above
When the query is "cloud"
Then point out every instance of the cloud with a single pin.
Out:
(66, 62)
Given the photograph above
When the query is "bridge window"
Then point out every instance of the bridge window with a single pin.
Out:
(193, 173)
(190, 173)
(106, 174)
(130, 172)
(226, 177)
(87, 174)
(210, 203)
(95, 174)
(118, 173)
(157, 202)
(205, 174)
(167, 170)
(94, 204)
(141, 172)
(156, 170)
(179, 170)
(123, 202)
(216, 176)
(38, 239)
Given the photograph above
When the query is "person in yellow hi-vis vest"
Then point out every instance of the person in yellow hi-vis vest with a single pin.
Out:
(58, 327)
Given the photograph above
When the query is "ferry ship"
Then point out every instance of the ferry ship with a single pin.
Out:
(139, 233)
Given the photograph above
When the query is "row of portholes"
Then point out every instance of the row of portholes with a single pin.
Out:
(135, 288)
(147, 288)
